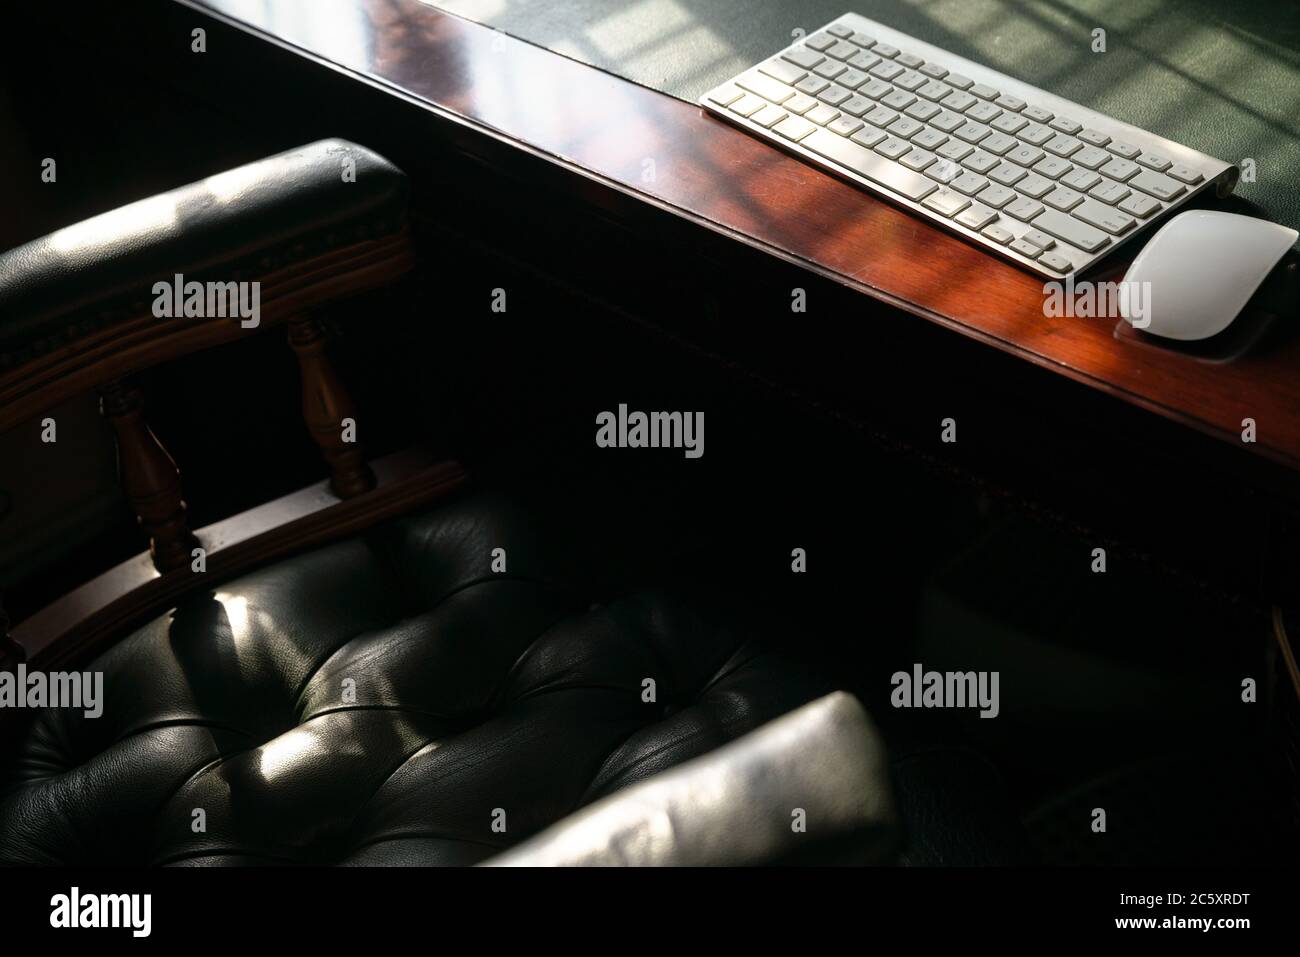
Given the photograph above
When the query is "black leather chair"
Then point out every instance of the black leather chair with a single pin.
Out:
(389, 697)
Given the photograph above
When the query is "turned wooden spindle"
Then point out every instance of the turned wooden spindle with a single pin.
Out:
(149, 477)
(325, 406)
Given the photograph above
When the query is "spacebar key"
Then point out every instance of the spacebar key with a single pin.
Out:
(1069, 230)
(866, 163)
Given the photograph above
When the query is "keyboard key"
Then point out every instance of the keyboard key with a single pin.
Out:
(976, 216)
(995, 196)
(980, 162)
(839, 30)
(1061, 145)
(821, 41)
(886, 70)
(862, 40)
(885, 50)
(1110, 192)
(910, 80)
(1080, 179)
(1140, 206)
(1008, 102)
(958, 81)
(726, 94)
(955, 150)
(769, 116)
(929, 139)
(934, 71)
(998, 234)
(854, 105)
(1120, 169)
(841, 50)
(910, 60)
(802, 56)
(851, 79)
(1124, 150)
(834, 95)
(958, 101)
(1008, 174)
(868, 136)
(1053, 167)
(969, 183)
(971, 132)
(1023, 208)
(948, 121)
(1037, 114)
(943, 171)
(1035, 186)
(821, 114)
(997, 143)
(934, 91)
(812, 85)
(1056, 261)
(1063, 198)
(1026, 249)
(748, 105)
(830, 69)
(946, 203)
(794, 128)
(1090, 157)
(984, 112)
(1039, 239)
(921, 110)
(1157, 185)
(875, 89)
(783, 71)
(766, 87)
(866, 163)
(1155, 161)
(1104, 217)
(1035, 134)
(898, 100)
(845, 125)
(799, 104)
(1185, 173)
(982, 90)
(894, 148)
(918, 159)
(1093, 137)
(881, 116)
(1024, 155)
(1070, 230)
(1065, 125)
(862, 60)
(1010, 123)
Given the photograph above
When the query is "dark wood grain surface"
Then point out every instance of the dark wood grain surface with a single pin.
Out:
(673, 155)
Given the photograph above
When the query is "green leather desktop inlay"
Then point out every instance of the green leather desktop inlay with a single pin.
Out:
(1219, 76)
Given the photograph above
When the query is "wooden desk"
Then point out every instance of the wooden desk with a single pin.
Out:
(669, 153)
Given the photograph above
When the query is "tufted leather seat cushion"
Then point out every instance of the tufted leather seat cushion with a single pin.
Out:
(237, 225)
(384, 700)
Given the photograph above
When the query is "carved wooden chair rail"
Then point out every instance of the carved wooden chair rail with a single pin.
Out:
(309, 226)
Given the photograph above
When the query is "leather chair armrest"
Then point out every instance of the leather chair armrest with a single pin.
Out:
(741, 804)
(76, 306)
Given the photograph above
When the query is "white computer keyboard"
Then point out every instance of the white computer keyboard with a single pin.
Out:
(1032, 177)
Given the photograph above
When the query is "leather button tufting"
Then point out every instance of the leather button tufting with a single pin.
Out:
(378, 701)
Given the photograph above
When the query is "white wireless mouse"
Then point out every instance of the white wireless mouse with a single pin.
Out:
(1203, 267)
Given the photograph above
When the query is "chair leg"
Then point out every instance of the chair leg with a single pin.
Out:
(329, 411)
(149, 477)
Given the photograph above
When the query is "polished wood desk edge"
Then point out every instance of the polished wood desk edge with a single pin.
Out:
(1190, 414)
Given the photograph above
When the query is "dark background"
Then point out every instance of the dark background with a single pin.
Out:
(1120, 690)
